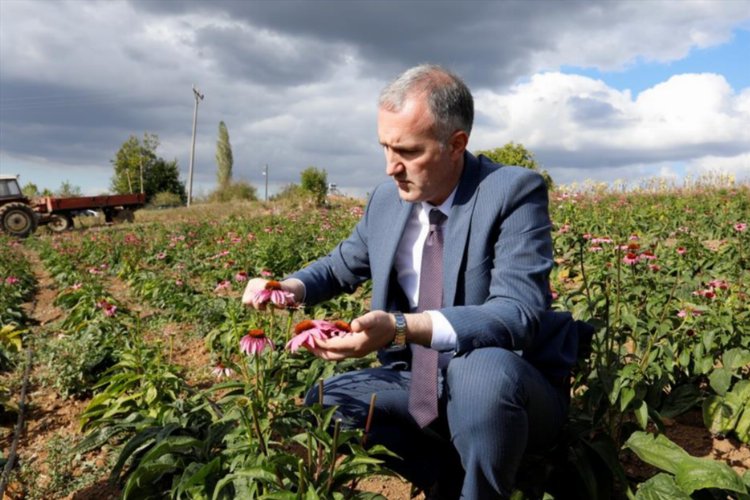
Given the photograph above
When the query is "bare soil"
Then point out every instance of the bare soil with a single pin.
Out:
(50, 416)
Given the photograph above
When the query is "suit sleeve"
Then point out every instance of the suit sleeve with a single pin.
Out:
(520, 249)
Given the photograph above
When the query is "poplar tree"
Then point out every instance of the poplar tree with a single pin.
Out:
(224, 160)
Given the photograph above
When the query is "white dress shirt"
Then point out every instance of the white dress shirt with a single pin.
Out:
(408, 265)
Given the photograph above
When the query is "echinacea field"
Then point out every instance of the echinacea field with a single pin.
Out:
(135, 371)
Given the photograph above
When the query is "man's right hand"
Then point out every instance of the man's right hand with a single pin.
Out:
(255, 285)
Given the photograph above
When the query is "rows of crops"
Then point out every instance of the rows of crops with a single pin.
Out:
(662, 275)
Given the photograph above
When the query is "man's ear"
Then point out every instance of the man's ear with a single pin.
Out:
(457, 143)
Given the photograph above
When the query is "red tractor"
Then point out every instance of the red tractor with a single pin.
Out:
(17, 218)
(20, 216)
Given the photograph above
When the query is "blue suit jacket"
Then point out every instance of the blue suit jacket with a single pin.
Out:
(497, 259)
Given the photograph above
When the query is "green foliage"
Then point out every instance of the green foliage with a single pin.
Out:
(30, 190)
(516, 154)
(136, 157)
(67, 190)
(234, 191)
(671, 335)
(165, 199)
(224, 158)
(315, 182)
(688, 474)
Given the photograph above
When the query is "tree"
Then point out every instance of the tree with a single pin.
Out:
(516, 154)
(67, 190)
(136, 157)
(224, 159)
(30, 190)
(315, 182)
(239, 190)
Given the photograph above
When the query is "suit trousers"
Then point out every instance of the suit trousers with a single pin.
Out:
(493, 407)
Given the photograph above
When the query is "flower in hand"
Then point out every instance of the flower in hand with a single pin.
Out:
(275, 294)
(310, 329)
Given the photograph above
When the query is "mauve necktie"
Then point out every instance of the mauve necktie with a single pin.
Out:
(423, 400)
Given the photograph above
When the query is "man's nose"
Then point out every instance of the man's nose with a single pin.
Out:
(393, 164)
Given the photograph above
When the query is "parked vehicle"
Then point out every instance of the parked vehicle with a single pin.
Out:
(20, 216)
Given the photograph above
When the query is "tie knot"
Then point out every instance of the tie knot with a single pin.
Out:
(436, 218)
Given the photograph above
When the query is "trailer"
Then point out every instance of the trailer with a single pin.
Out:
(20, 216)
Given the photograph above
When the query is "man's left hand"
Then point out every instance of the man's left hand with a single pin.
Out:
(370, 332)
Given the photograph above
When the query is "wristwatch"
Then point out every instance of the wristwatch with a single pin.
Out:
(399, 339)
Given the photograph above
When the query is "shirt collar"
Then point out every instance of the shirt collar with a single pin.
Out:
(444, 207)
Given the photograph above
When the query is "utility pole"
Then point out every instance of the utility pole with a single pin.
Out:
(265, 174)
(198, 96)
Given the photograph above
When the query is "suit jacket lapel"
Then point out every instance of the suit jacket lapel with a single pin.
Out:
(459, 223)
(385, 252)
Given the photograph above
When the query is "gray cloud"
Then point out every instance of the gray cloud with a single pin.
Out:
(296, 81)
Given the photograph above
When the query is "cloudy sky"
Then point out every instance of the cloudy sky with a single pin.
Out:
(597, 90)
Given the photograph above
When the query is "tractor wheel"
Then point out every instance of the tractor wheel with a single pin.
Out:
(59, 223)
(17, 219)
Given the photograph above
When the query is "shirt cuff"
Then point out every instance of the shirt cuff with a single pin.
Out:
(304, 288)
(444, 337)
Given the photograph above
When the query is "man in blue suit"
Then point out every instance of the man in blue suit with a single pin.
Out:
(504, 356)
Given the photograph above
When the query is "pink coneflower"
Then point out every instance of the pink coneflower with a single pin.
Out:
(587, 236)
(275, 294)
(720, 284)
(310, 329)
(76, 286)
(681, 250)
(220, 371)
(709, 294)
(161, 255)
(266, 273)
(255, 342)
(630, 259)
(595, 248)
(11, 280)
(598, 241)
(108, 309)
(179, 282)
(683, 313)
(565, 228)
(223, 285)
(634, 237)
(240, 277)
(740, 226)
(93, 270)
(648, 255)
(654, 267)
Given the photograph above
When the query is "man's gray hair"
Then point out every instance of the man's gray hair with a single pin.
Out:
(448, 97)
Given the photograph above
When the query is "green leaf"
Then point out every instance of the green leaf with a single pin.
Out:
(699, 474)
(742, 429)
(720, 380)
(660, 487)
(626, 396)
(658, 451)
(736, 358)
(717, 415)
(641, 414)
(691, 473)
